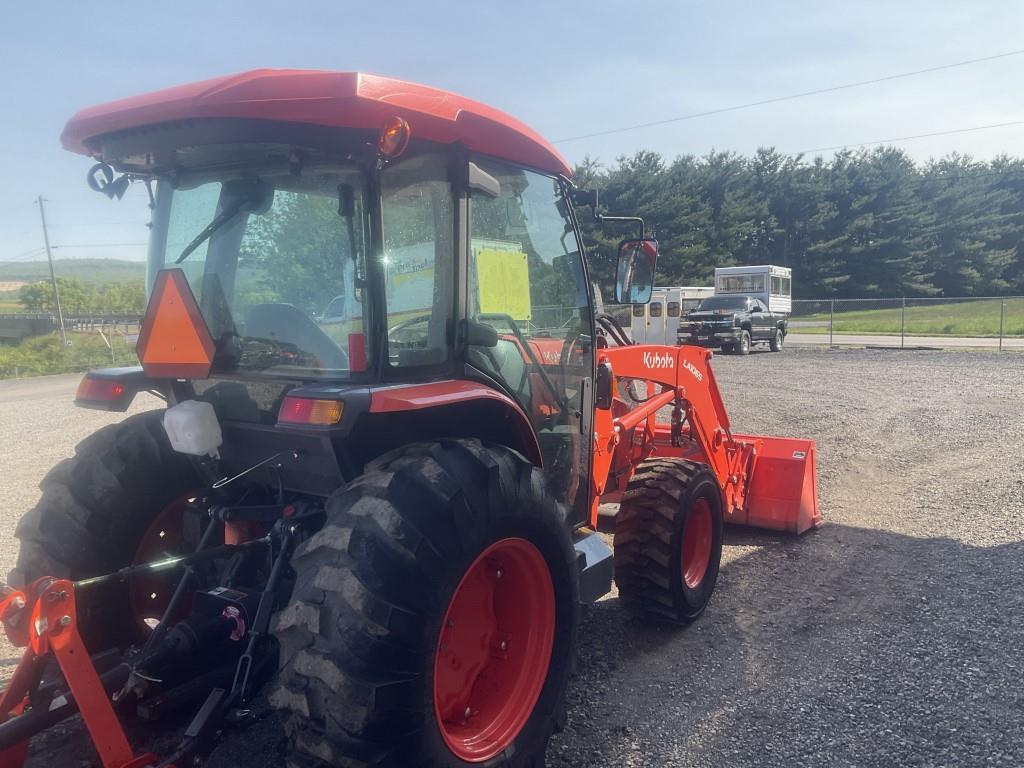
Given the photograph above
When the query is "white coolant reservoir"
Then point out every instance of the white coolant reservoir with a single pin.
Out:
(193, 428)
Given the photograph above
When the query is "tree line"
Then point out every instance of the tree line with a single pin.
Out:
(80, 297)
(868, 223)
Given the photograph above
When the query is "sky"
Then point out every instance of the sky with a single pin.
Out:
(565, 68)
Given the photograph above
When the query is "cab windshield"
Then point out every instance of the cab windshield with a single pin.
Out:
(276, 260)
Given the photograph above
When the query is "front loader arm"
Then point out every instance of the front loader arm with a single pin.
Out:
(680, 377)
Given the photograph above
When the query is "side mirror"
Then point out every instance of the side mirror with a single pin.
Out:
(584, 197)
(635, 277)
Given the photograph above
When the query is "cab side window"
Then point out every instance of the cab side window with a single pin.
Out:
(527, 281)
(418, 213)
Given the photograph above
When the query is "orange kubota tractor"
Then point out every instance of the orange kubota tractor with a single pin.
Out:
(391, 416)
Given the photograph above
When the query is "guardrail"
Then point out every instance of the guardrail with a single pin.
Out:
(22, 325)
(87, 317)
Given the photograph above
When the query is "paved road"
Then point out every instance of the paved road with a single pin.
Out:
(39, 427)
(864, 340)
(40, 388)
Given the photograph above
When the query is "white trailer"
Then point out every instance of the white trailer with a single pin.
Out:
(772, 285)
(658, 321)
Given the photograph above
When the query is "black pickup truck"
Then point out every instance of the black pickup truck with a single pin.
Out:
(733, 323)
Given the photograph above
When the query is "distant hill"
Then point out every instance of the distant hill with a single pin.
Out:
(88, 270)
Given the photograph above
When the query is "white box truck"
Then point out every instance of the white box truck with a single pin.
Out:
(658, 321)
(772, 285)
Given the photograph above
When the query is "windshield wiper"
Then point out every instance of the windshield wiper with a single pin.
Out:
(219, 221)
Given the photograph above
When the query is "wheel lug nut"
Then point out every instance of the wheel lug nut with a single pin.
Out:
(504, 645)
(500, 573)
(469, 713)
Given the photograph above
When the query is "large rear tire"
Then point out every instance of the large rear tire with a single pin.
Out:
(778, 339)
(668, 539)
(94, 513)
(434, 617)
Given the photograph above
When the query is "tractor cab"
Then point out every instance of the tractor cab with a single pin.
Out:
(355, 233)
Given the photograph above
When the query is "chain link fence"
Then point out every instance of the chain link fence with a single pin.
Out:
(976, 322)
(986, 322)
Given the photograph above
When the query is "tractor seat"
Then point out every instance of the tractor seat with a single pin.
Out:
(288, 324)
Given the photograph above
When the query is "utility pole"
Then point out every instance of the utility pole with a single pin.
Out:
(53, 277)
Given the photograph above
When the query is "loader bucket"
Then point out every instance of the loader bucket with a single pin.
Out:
(783, 490)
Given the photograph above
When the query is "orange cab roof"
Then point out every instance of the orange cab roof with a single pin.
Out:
(333, 99)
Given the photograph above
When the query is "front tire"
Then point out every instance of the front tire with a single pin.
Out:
(434, 617)
(668, 539)
(743, 348)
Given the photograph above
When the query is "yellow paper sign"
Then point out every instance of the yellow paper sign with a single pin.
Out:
(503, 278)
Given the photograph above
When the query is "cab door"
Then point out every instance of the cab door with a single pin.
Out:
(527, 280)
(760, 320)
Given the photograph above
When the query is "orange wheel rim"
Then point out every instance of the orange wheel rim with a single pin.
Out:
(697, 544)
(150, 593)
(494, 650)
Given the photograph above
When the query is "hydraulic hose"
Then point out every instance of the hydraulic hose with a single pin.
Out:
(613, 328)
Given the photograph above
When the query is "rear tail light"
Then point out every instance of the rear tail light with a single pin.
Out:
(303, 410)
(92, 390)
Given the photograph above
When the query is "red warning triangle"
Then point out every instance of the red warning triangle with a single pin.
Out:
(174, 341)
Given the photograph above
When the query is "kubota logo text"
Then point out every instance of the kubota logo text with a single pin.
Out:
(693, 369)
(654, 360)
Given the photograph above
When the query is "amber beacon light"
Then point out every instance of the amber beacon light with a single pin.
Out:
(394, 137)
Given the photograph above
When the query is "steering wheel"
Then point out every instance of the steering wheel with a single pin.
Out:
(393, 333)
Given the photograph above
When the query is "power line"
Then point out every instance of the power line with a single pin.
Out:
(909, 138)
(37, 251)
(23, 256)
(100, 224)
(777, 99)
(100, 245)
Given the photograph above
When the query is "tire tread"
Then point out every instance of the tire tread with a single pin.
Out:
(649, 515)
(352, 650)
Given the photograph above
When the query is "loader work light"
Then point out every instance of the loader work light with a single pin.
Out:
(394, 137)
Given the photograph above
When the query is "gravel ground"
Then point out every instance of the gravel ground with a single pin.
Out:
(890, 636)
